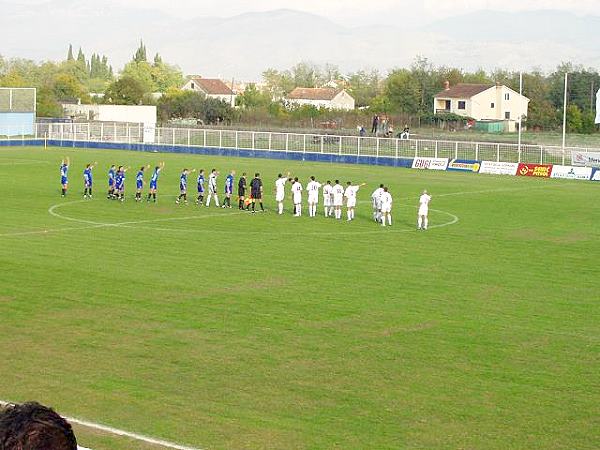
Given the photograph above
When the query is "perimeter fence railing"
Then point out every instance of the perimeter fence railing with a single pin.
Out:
(302, 143)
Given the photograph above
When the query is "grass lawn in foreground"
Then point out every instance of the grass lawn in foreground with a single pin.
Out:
(227, 330)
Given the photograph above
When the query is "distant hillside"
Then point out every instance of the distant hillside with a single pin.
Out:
(243, 46)
(523, 27)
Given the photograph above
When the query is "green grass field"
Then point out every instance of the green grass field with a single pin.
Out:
(222, 330)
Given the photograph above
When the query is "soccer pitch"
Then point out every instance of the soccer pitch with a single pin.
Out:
(219, 329)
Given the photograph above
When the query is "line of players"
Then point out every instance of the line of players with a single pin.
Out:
(334, 195)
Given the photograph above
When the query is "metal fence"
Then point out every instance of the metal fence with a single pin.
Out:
(304, 143)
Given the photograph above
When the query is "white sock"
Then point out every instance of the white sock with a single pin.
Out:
(349, 214)
(216, 200)
(299, 209)
(419, 222)
(352, 214)
(208, 201)
(390, 219)
(280, 208)
(425, 223)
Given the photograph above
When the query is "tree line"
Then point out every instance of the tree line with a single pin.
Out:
(406, 92)
(410, 91)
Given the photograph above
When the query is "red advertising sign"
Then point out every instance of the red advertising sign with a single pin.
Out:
(535, 170)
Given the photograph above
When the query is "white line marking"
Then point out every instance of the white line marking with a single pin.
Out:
(92, 224)
(116, 431)
(135, 224)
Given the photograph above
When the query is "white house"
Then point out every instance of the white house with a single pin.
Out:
(329, 98)
(482, 102)
(211, 87)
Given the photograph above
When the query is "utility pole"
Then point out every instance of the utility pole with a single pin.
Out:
(564, 137)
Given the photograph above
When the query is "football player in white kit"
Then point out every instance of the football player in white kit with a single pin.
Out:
(280, 190)
(422, 220)
(212, 187)
(376, 198)
(338, 199)
(350, 194)
(328, 199)
(313, 196)
(297, 197)
(386, 207)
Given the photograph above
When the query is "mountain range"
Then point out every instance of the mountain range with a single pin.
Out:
(242, 46)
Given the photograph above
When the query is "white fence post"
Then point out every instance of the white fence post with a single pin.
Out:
(173, 137)
(541, 155)
(358, 146)
(287, 142)
(204, 138)
(303, 143)
(220, 138)
(477, 151)
(270, 141)
(321, 144)
(396, 148)
(377, 147)
(237, 145)
(102, 131)
(563, 157)
(188, 137)
(498, 153)
(340, 147)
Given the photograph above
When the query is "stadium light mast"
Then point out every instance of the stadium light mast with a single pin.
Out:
(564, 136)
(520, 111)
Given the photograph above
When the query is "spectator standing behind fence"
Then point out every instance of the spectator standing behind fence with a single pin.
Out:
(375, 124)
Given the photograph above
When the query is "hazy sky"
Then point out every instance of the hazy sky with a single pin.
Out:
(244, 47)
(354, 12)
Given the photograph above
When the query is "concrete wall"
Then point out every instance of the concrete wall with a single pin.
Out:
(113, 113)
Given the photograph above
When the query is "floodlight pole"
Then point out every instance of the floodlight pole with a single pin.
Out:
(520, 110)
(564, 136)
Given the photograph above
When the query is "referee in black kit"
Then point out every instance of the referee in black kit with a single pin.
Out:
(256, 191)
(242, 191)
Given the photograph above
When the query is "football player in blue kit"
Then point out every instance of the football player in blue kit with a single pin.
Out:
(183, 186)
(139, 183)
(154, 182)
(201, 188)
(88, 180)
(120, 183)
(228, 189)
(112, 173)
(64, 175)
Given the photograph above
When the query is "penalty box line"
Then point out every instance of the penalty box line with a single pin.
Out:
(118, 432)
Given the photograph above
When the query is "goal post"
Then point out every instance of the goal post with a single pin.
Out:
(17, 111)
